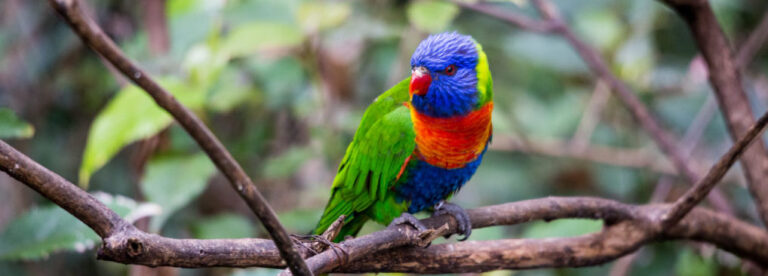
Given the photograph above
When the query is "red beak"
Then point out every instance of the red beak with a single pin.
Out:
(420, 80)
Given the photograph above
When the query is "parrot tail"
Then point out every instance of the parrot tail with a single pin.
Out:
(336, 207)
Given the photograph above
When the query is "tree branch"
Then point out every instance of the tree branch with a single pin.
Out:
(628, 228)
(94, 37)
(614, 241)
(725, 78)
(77, 202)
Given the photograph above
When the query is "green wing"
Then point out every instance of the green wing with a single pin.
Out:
(383, 141)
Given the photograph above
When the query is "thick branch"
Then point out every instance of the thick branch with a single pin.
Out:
(592, 249)
(94, 37)
(726, 81)
(68, 196)
(629, 228)
(125, 244)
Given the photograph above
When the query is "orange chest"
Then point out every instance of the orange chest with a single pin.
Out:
(452, 142)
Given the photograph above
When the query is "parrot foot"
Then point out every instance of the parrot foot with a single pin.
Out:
(461, 216)
(407, 218)
(424, 232)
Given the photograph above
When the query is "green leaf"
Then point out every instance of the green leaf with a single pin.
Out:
(130, 116)
(11, 126)
(562, 228)
(432, 16)
(224, 226)
(258, 36)
(172, 182)
(44, 230)
(318, 16)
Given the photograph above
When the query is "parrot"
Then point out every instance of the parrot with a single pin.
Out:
(419, 142)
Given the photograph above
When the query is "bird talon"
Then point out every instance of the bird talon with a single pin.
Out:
(409, 219)
(464, 226)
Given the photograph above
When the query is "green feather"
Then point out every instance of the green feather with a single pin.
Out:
(383, 141)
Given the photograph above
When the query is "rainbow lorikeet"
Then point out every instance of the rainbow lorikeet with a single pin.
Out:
(418, 142)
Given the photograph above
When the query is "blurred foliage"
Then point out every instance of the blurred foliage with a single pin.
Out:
(172, 182)
(11, 126)
(46, 229)
(224, 226)
(283, 84)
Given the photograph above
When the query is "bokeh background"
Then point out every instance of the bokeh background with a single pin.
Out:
(284, 83)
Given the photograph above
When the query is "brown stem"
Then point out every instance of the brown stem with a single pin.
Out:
(94, 37)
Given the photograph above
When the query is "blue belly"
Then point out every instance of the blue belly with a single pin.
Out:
(424, 185)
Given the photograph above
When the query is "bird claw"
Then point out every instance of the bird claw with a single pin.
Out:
(425, 234)
(462, 217)
(409, 219)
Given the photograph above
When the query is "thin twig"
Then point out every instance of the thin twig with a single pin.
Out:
(521, 21)
(754, 42)
(724, 76)
(94, 37)
(590, 117)
(696, 193)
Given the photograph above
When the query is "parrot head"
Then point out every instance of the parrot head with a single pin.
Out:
(444, 75)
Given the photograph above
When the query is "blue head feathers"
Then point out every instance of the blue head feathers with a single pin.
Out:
(450, 59)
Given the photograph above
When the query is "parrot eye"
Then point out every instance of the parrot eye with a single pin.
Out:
(450, 70)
